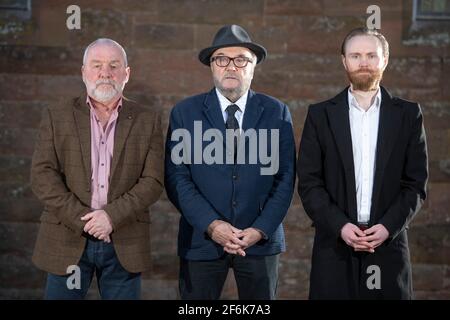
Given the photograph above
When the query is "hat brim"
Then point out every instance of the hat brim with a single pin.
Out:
(260, 52)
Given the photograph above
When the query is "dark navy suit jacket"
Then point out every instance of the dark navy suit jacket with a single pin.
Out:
(236, 193)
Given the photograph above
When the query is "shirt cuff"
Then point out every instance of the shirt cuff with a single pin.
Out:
(264, 236)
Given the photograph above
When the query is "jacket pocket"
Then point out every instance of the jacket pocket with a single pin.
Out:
(49, 218)
(144, 217)
(262, 202)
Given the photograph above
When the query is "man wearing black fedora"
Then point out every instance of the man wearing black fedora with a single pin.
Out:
(231, 208)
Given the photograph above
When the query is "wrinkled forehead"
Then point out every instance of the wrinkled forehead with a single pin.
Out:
(105, 52)
(363, 44)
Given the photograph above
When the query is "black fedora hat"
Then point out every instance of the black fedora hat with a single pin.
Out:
(232, 36)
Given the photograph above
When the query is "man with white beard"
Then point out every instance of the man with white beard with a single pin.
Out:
(362, 171)
(97, 167)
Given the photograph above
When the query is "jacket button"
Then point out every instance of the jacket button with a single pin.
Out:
(234, 177)
(234, 203)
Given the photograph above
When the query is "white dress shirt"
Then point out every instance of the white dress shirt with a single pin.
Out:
(364, 131)
(224, 103)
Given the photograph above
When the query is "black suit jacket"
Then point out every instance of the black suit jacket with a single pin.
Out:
(327, 189)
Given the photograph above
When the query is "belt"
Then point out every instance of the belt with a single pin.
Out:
(363, 226)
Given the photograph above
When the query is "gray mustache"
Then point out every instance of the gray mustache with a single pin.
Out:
(99, 82)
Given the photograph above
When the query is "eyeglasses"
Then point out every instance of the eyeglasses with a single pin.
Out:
(224, 61)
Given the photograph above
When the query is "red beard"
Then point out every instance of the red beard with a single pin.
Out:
(365, 79)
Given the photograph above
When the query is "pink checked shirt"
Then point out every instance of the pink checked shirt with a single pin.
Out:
(102, 147)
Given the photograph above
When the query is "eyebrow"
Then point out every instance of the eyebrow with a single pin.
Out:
(239, 55)
(99, 61)
(372, 52)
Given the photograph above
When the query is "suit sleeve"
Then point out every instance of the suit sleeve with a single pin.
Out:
(147, 189)
(280, 196)
(181, 190)
(413, 181)
(47, 180)
(311, 184)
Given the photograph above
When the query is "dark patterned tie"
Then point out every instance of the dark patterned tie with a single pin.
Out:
(232, 123)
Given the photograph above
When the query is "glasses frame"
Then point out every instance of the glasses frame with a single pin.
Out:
(214, 59)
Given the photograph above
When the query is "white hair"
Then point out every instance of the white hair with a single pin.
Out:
(107, 42)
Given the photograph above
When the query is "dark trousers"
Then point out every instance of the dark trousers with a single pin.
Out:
(256, 277)
(114, 282)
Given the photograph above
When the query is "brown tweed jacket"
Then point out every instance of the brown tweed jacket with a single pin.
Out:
(61, 179)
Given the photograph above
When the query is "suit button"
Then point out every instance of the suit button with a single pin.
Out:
(234, 203)
(234, 177)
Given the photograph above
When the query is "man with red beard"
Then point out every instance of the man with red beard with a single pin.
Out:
(362, 171)
(97, 167)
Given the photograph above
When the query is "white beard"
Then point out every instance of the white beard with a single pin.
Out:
(104, 93)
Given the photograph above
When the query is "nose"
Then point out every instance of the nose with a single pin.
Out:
(231, 66)
(363, 62)
(105, 72)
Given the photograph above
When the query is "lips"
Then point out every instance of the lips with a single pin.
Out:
(105, 83)
(364, 71)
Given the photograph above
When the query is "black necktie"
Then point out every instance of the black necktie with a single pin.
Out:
(232, 123)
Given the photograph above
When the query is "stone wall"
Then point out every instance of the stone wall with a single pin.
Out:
(40, 62)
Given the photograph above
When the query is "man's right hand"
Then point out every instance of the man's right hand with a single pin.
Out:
(225, 234)
(351, 234)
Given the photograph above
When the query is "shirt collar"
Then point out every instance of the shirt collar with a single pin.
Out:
(91, 105)
(224, 102)
(352, 102)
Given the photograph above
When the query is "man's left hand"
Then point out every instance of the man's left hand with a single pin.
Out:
(375, 235)
(250, 236)
(98, 224)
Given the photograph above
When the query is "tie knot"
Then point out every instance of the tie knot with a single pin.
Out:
(231, 110)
